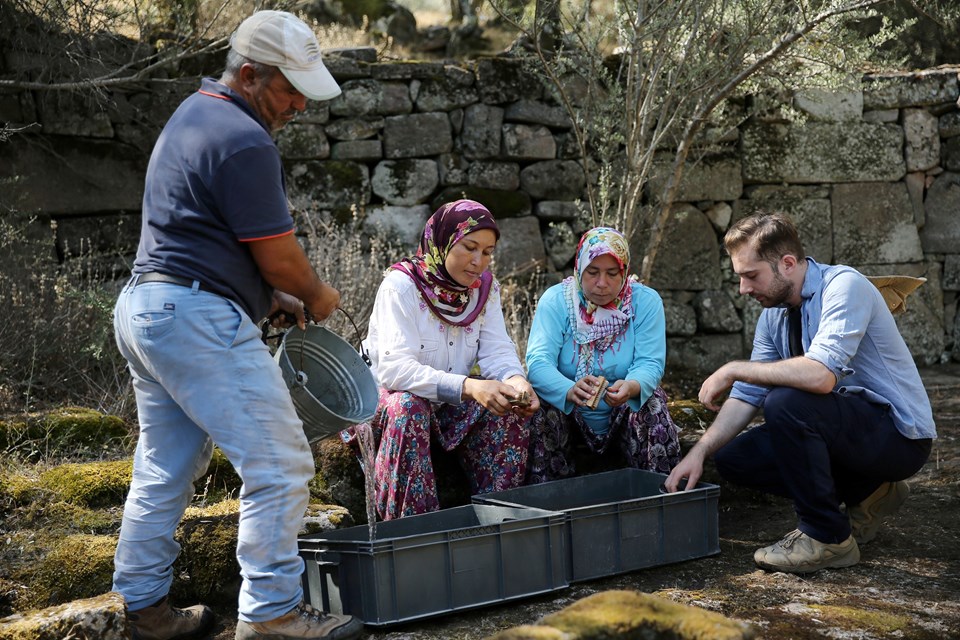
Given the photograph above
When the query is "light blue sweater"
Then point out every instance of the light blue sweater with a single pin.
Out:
(639, 354)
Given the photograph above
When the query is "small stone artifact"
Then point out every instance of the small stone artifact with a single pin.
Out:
(595, 398)
(522, 399)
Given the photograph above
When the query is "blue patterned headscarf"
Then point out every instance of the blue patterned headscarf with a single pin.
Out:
(596, 329)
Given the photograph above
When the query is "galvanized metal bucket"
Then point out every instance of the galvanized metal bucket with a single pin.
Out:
(330, 382)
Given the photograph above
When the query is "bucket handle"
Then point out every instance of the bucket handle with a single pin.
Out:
(363, 352)
(291, 319)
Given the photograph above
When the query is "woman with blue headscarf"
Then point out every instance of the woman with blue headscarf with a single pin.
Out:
(598, 327)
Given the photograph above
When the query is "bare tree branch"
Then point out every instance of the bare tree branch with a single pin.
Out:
(680, 60)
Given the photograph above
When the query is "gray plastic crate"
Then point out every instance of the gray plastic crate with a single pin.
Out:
(619, 521)
(435, 563)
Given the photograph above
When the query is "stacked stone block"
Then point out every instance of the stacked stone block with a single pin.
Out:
(872, 177)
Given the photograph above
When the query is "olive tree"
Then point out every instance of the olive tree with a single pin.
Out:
(655, 77)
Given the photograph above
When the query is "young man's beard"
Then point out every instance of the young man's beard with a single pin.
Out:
(780, 291)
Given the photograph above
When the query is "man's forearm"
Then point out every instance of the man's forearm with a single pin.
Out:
(284, 266)
(733, 417)
(799, 373)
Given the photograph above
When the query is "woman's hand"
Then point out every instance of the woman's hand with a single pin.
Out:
(582, 390)
(493, 395)
(621, 391)
(522, 385)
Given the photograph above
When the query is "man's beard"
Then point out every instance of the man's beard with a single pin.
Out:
(781, 290)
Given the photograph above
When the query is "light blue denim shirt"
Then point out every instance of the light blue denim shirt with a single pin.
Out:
(848, 329)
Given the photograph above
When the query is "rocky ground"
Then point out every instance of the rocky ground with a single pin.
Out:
(907, 585)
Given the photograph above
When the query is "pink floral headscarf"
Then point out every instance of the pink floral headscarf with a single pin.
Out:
(450, 301)
(596, 329)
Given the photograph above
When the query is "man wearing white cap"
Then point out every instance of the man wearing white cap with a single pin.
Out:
(217, 253)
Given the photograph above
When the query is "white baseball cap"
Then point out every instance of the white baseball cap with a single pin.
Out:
(283, 40)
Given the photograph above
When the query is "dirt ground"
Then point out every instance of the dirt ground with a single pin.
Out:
(906, 586)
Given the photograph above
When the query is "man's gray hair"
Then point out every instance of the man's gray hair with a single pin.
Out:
(236, 60)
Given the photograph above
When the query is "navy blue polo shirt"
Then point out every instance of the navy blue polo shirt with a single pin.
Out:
(214, 183)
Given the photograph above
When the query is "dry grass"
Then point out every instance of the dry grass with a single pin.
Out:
(57, 345)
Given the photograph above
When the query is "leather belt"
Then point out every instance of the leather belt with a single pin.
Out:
(155, 276)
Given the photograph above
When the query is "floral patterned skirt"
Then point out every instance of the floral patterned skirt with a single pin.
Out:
(492, 450)
(645, 439)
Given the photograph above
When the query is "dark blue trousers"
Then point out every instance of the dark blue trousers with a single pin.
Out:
(821, 450)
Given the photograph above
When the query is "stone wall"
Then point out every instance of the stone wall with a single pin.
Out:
(871, 176)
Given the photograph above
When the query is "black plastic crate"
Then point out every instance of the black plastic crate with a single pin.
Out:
(620, 521)
(436, 563)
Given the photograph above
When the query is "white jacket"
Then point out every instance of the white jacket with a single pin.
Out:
(413, 350)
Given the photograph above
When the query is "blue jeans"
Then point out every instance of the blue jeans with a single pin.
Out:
(821, 450)
(201, 374)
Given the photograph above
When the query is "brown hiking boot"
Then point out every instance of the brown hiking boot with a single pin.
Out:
(866, 517)
(303, 621)
(799, 553)
(163, 622)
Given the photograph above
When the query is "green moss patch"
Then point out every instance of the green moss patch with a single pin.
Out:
(634, 614)
(102, 617)
(16, 488)
(531, 632)
(78, 566)
(71, 518)
(864, 619)
(690, 414)
(68, 432)
(91, 484)
(224, 508)
(207, 569)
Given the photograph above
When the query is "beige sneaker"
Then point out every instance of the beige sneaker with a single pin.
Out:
(866, 517)
(303, 621)
(799, 553)
(163, 622)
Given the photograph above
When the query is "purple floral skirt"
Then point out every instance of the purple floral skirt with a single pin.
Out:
(492, 450)
(646, 439)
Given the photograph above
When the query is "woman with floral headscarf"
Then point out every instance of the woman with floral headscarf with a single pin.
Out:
(599, 323)
(436, 315)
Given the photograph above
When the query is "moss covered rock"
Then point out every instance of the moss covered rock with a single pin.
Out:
(71, 518)
(631, 614)
(16, 488)
(78, 566)
(69, 431)
(339, 478)
(325, 517)
(103, 617)
(91, 484)
(532, 632)
(207, 568)
(887, 623)
(690, 415)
